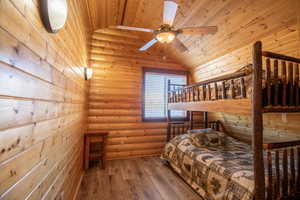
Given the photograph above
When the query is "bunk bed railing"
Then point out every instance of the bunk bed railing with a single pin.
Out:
(281, 90)
(283, 172)
(223, 87)
(280, 85)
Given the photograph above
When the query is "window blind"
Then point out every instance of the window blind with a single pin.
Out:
(155, 94)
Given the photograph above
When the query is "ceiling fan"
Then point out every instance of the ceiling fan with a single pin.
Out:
(166, 33)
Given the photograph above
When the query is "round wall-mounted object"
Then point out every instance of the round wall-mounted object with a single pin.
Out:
(54, 14)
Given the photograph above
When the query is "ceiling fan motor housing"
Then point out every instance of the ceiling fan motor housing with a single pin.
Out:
(165, 33)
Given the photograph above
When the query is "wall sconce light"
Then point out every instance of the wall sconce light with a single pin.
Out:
(88, 73)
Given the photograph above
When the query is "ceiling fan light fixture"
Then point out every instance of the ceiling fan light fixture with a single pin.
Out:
(165, 37)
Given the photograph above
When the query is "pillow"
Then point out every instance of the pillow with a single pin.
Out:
(206, 137)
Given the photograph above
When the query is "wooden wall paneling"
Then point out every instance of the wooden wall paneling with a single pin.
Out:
(42, 101)
(276, 42)
(36, 174)
(136, 139)
(124, 126)
(137, 132)
(128, 53)
(115, 94)
(18, 139)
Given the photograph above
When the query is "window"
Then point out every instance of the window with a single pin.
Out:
(156, 93)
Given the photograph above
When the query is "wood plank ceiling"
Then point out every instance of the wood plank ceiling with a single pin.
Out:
(239, 22)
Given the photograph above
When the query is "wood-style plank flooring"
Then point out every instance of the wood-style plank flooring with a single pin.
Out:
(140, 178)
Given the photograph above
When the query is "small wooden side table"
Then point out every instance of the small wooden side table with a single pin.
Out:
(95, 154)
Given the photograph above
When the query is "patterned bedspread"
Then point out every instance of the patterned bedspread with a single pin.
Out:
(217, 167)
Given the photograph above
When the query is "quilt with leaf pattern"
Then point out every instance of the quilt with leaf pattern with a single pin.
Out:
(215, 165)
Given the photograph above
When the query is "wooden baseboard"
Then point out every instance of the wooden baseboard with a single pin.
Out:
(78, 186)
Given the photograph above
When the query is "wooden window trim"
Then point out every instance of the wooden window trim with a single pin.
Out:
(161, 71)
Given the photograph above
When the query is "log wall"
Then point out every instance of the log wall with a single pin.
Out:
(115, 94)
(285, 41)
(42, 102)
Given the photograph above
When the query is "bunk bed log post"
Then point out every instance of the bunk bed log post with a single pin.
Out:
(232, 89)
(218, 125)
(216, 91)
(290, 84)
(204, 92)
(285, 174)
(223, 90)
(297, 85)
(270, 176)
(243, 88)
(198, 94)
(191, 118)
(194, 96)
(257, 124)
(298, 169)
(205, 116)
(209, 92)
(168, 115)
(268, 82)
(276, 92)
(293, 172)
(284, 87)
(277, 170)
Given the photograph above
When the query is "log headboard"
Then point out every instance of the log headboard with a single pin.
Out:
(180, 127)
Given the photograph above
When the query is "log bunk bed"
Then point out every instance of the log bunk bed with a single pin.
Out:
(276, 164)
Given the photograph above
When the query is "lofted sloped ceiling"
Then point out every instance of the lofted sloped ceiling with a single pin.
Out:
(240, 22)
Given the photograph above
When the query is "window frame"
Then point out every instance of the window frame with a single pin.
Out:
(160, 71)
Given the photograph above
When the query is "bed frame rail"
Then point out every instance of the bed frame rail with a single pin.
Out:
(280, 85)
(181, 127)
(283, 173)
(223, 87)
(281, 89)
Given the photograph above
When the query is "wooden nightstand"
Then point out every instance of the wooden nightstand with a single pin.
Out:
(97, 141)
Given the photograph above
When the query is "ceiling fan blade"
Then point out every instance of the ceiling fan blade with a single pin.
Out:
(133, 28)
(199, 30)
(170, 9)
(148, 45)
(179, 45)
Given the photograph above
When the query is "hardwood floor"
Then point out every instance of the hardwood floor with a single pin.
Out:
(140, 178)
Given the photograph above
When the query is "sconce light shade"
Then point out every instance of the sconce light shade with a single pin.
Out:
(54, 14)
(88, 73)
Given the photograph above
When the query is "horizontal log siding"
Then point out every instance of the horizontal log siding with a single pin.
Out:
(42, 103)
(115, 96)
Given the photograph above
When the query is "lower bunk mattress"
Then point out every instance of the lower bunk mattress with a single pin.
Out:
(215, 165)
